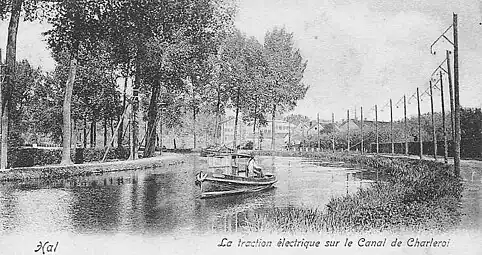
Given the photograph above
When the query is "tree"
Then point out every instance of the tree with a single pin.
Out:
(257, 104)
(14, 7)
(285, 68)
(297, 119)
(24, 101)
(471, 127)
(77, 29)
(181, 56)
(235, 74)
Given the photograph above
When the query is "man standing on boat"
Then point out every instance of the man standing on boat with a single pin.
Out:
(254, 168)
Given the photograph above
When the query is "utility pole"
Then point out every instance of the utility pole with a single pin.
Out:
(405, 123)
(376, 128)
(3, 147)
(391, 127)
(318, 128)
(457, 99)
(443, 118)
(456, 110)
(361, 118)
(348, 125)
(419, 127)
(451, 94)
(434, 136)
(333, 131)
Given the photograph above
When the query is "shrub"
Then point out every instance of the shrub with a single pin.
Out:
(27, 157)
(415, 195)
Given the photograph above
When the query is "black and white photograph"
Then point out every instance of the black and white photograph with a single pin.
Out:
(240, 127)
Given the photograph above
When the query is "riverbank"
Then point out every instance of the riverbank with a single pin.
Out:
(415, 195)
(60, 171)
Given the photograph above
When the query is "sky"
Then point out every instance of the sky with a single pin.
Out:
(359, 53)
(364, 52)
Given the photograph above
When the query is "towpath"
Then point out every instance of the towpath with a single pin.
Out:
(63, 171)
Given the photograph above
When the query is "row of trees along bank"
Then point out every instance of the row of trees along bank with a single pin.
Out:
(184, 57)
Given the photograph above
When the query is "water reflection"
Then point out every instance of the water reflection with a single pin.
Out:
(165, 201)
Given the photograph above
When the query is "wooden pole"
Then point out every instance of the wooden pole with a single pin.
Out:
(419, 127)
(451, 94)
(361, 118)
(443, 118)
(113, 135)
(318, 128)
(348, 133)
(391, 127)
(289, 135)
(160, 134)
(457, 99)
(434, 136)
(3, 147)
(405, 123)
(376, 128)
(333, 132)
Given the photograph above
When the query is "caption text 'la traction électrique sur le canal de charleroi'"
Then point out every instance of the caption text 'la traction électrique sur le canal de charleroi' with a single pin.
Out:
(346, 242)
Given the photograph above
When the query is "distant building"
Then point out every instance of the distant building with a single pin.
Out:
(261, 139)
(282, 132)
(227, 132)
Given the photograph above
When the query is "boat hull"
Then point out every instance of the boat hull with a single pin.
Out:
(213, 185)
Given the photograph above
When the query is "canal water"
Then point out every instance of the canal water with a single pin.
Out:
(164, 201)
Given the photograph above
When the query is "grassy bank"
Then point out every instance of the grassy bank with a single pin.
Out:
(415, 196)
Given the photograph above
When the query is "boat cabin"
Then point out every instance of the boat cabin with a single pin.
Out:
(230, 164)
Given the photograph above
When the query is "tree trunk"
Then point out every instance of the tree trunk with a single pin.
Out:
(105, 132)
(120, 132)
(160, 134)
(66, 112)
(85, 132)
(236, 122)
(152, 115)
(273, 127)
(92, 134)
(95, 134)
(135, 123)
(217, 127)
(194, 126)
(254, 125)
(112, 131)
(73, 134)
(5, 92)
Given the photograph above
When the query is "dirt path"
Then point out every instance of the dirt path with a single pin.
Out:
(471, 172)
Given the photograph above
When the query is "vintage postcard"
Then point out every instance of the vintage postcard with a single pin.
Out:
(240, 127)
